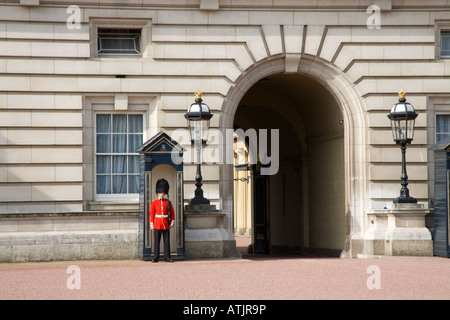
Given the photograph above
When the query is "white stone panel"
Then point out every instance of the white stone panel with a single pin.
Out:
(272, 33)
(15, 119)
(223, 17)
(60, 192)
(393, 154)
(29, 66)
(169, 68)
(391, 190)
(121, 67)
(240, 54)
(182, 17)
(293, 38)
(173, 120)
(216, 51)
(87, 84)
(68, 137)
(438, 85)
(69, 174)
(312, 18)
(384, 137)
(210, 171)
(31, 30)
(385, 102)
(3, 136)
(207, 68)
(53, 119)
(14, 83)
(378, 120)
(60, 83)
(229, 69)
(15, 155)
(15, 48)
(252, 36)
(156, 84)
(388, 172)
(3, 176)
(347, 54)
(77, 67)
(61, 32)
(54, 49)
(15, 192)
(3, 67)
(333, 39)
(2, 30)
(58, 14)
(31, 174)
(211, 34)
(56, 155)
(162, 33)
(68, 101)
(31, 137)
(422, 68)
(271, 17)
(17, 13)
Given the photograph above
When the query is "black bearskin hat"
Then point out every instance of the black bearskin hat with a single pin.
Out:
(162, 186)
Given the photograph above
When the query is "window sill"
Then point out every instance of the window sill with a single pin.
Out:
(114, 205)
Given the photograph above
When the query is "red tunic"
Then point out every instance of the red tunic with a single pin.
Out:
(159, 216)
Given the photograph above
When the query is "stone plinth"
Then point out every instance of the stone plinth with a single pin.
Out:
(398, 231)
(205, 235)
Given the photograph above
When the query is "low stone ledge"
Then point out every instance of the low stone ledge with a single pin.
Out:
(68, 214)
(74, 245)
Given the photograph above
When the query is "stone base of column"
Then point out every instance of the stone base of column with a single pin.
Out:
(205, 236)
(398, 231)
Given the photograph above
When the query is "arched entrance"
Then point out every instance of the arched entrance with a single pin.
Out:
(314, 202)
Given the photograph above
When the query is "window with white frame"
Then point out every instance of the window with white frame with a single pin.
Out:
(442, 127)
(118, 136)
(445, 44)
(118, 42)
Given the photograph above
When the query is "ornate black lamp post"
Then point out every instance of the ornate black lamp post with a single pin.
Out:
(402, 118)
(198, 117)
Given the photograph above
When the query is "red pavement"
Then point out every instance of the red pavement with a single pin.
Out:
(263, 277)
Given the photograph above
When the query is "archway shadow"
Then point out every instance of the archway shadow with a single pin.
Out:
(245, 248)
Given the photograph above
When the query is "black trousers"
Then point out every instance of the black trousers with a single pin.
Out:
(166, 237)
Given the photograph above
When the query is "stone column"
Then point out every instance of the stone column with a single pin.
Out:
(205, 235)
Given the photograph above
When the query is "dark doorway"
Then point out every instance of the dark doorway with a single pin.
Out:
(300, 209)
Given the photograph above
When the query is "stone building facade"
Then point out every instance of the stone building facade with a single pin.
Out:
(82, 84)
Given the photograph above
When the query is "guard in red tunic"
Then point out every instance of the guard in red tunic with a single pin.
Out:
(162, 218)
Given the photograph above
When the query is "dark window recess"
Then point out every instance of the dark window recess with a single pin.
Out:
(119, 42)
(445, 44)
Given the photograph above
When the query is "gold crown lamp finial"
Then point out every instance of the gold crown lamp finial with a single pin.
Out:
(402, 94)
(198, 94)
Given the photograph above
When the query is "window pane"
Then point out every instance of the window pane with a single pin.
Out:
(442, 127)
(119, 143)
(103, 123)
(134, 184)
(103, 184)
(119, 164)
(135, 123)
(120, 184)
(120, 123)
(133, 164)
(135, 141)
(103, 143)
(103, 164)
